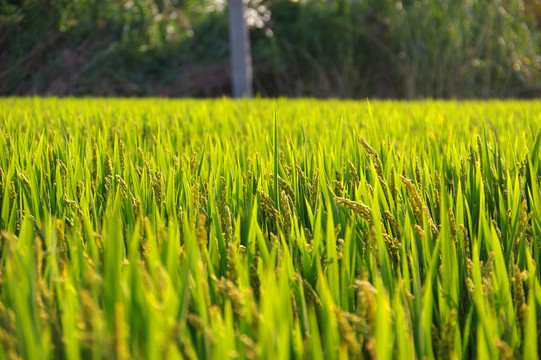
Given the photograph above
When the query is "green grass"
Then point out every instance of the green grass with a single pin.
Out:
(159, 229)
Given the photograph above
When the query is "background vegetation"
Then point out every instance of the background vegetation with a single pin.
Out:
(322, 48)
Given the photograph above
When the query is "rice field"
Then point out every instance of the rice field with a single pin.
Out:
(286, 229)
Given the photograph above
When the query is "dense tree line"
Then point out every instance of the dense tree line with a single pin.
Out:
(321, 48)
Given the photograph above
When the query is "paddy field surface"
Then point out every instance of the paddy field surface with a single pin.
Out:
(269, 229)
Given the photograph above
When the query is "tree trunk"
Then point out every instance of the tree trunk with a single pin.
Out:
(241, 58)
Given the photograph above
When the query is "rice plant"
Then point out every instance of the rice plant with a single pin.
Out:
(269, 229)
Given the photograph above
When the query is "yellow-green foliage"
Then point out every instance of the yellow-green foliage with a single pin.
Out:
(269, 229)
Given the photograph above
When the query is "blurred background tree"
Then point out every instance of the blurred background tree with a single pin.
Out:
(320, 48)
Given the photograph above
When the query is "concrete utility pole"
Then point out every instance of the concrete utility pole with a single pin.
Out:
(241, 58)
